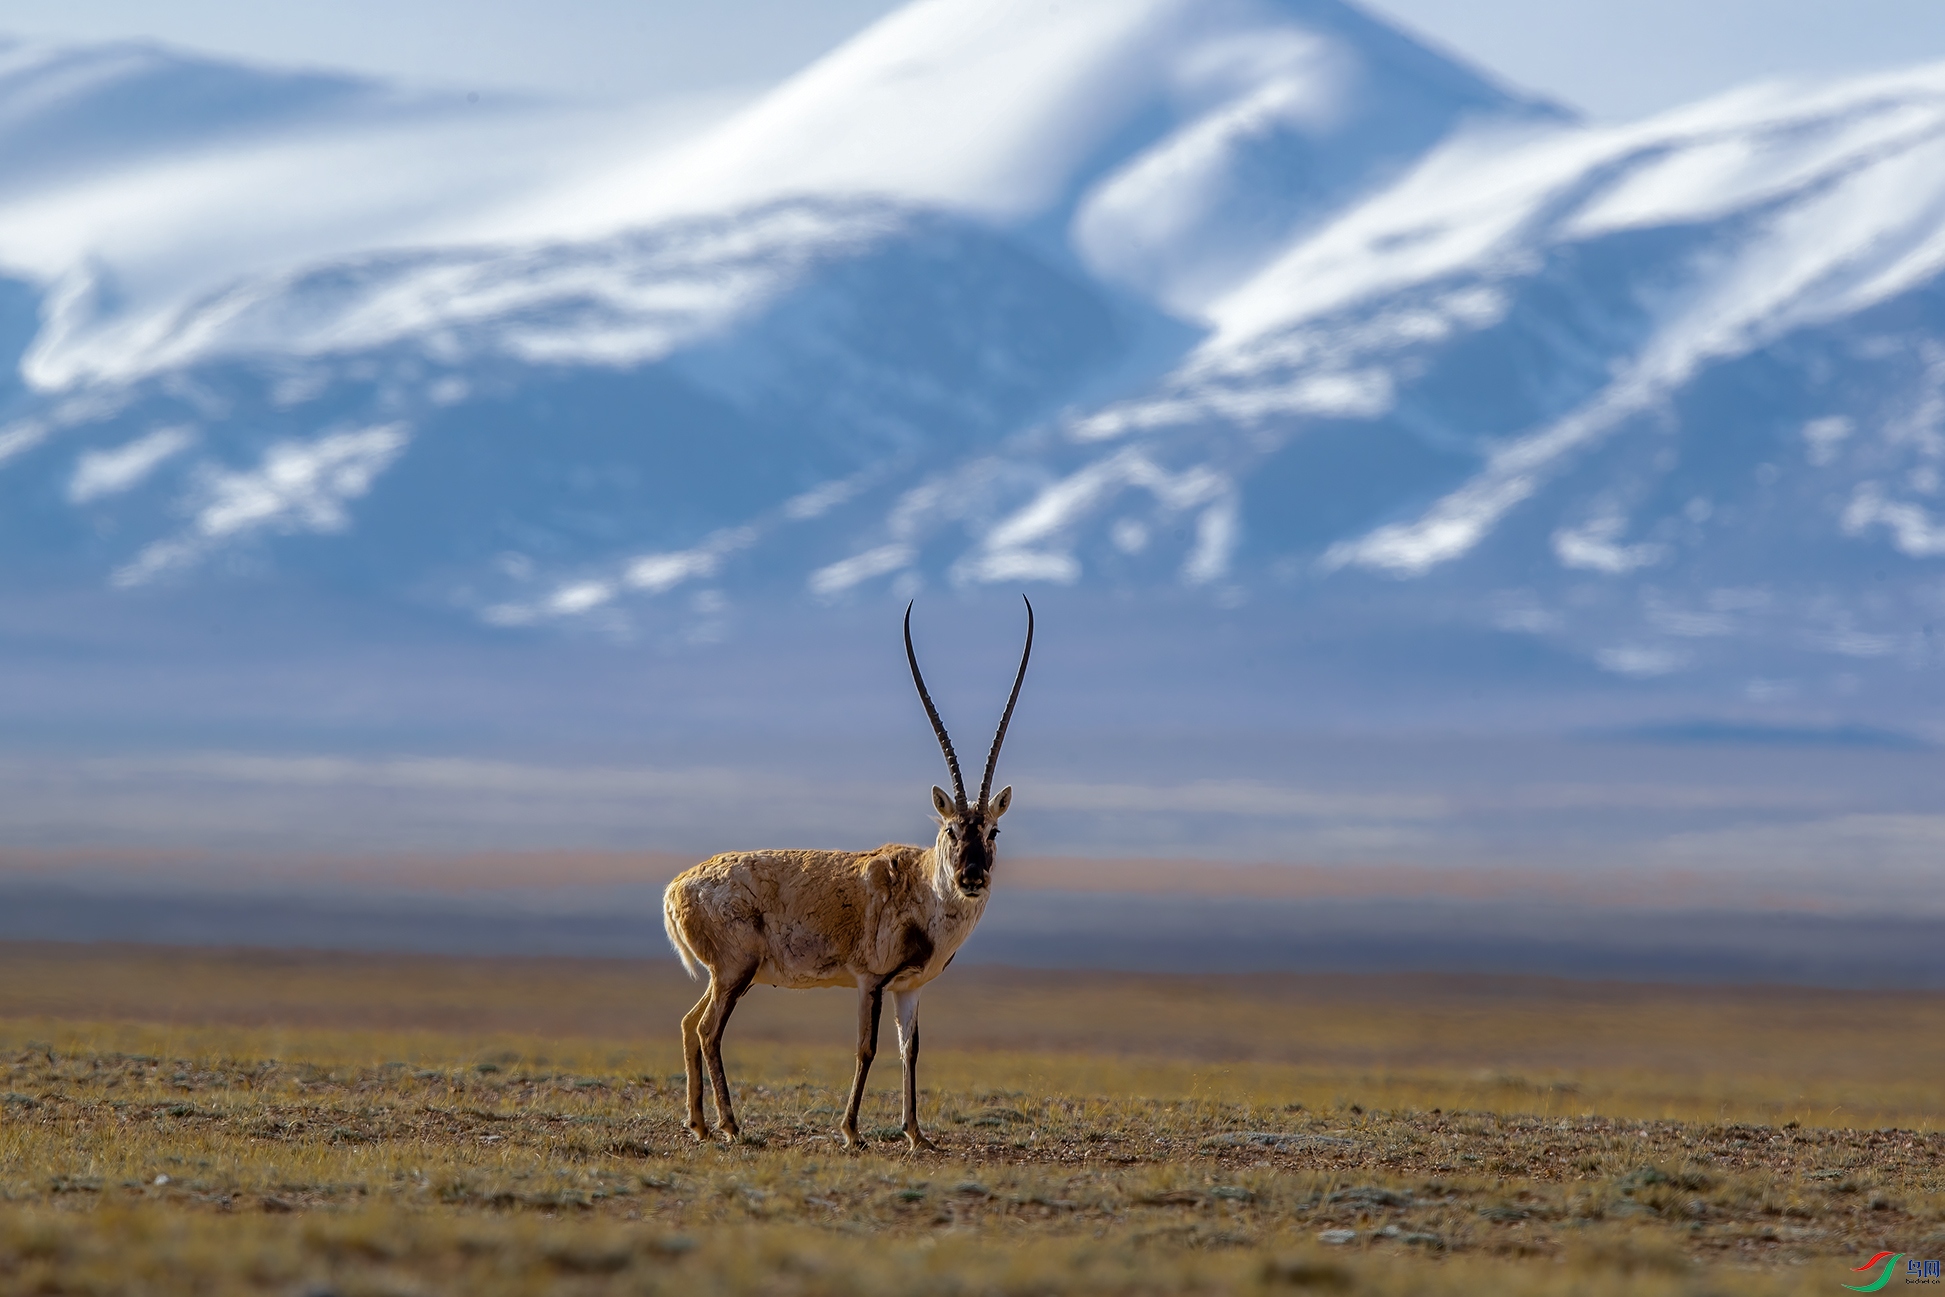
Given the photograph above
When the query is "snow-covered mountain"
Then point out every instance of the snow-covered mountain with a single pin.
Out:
(1245, 305)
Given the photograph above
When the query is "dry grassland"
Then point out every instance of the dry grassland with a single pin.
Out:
(196, 1122)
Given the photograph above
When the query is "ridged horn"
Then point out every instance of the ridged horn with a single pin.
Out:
(1006, 717)
(938, 726)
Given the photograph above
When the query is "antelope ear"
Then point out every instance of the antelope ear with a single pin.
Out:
(1003, 800)
(941, 801)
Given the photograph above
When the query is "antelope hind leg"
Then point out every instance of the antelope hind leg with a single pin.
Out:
(722, 1002)
(871, 999)
(692, 1063)
(905, 1006)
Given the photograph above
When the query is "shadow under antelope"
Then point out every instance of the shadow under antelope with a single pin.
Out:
(884, 920)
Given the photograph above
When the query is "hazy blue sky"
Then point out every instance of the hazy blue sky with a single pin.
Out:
(1615, 58)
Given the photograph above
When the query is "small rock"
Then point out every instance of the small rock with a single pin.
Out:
(161, 1179)
(590, 1260)
(1370, 1196)
(1338, 1236)
(672, 1245)
(1306, 1274)
(1172, 1198)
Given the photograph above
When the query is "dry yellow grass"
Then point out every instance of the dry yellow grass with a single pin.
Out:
(354, 1124)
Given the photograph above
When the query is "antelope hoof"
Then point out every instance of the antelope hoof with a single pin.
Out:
(699, 1129)
(920, 1143)
(851, 1141)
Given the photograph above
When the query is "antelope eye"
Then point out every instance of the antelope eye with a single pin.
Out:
(952, 833)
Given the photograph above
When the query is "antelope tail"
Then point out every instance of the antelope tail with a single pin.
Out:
(676, 939)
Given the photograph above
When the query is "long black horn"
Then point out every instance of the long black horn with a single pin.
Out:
(1006, 717)
(938, 726)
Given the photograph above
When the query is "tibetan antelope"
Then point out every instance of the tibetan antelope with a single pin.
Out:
(883, 920)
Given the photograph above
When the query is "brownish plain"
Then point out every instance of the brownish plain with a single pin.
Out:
(184, 1121)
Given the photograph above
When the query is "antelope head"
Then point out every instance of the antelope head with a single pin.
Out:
(963, 853)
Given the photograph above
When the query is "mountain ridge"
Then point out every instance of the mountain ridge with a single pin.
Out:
(1297, 318)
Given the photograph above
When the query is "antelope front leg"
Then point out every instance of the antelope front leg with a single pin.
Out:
(871, 999)
(905, 1005)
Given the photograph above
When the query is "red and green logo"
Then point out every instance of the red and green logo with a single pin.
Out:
(1889, 1260)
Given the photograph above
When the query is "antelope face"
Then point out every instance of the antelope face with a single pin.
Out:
(966, 838)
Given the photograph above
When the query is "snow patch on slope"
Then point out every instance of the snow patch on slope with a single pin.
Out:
(101, 473)
(617, 303)
(1184, 140)
(297, 487)
(1840, 202)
